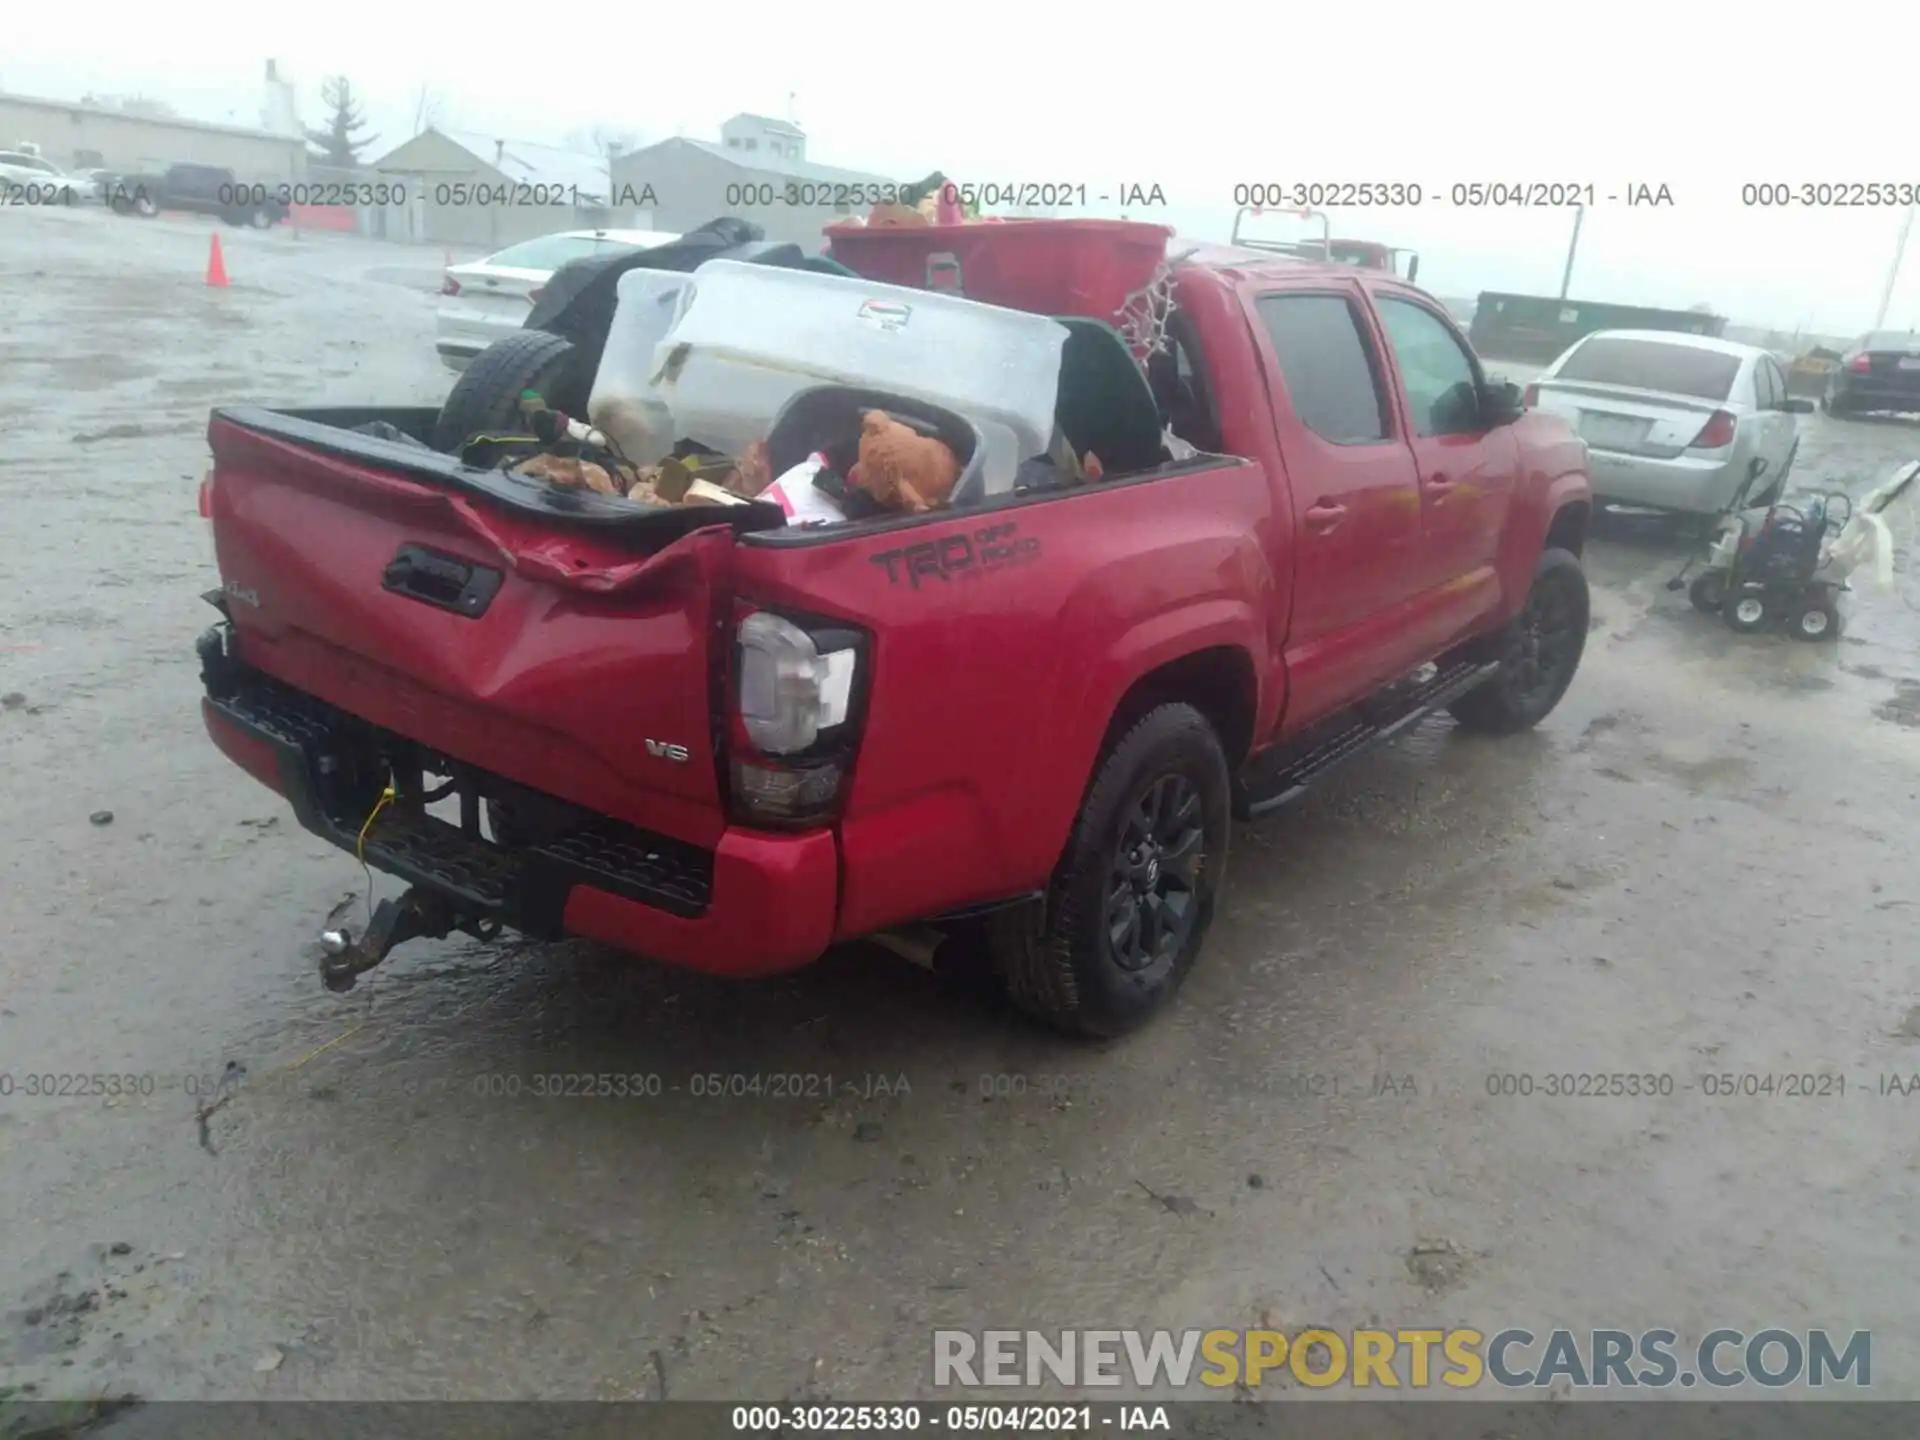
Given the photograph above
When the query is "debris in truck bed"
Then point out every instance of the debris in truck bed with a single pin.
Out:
(571, 472)
(804, 501)
(675, 475)
(753, 472)
(705, 492)
(1059, 468)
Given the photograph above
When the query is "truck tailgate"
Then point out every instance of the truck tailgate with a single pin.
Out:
(559, 641)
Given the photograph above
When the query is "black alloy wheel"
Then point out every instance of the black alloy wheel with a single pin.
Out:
(1546, 646)
(1152, 892)
(1539, 652)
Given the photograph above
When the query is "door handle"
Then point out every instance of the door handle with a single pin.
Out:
(1325, 515)
(1437, 483)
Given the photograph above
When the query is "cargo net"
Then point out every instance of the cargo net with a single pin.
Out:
(1142, 316)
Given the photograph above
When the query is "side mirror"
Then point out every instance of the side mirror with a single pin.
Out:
(1500, 403)
(1797, 405)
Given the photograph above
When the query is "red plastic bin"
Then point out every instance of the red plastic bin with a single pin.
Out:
(1048, 267)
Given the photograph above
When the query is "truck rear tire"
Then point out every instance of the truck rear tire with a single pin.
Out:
(1131, 901)
(1539, 651)
(485, 400)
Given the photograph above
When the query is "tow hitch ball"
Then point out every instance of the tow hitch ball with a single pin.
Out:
(418, 914)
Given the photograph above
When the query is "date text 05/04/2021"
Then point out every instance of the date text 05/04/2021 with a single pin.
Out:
(990, 1419)
(1506, 194)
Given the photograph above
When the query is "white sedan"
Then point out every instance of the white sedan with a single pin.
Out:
(1674, 422)
(31, 180)
(486, 299)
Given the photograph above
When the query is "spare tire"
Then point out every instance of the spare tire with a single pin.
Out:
(485, 400)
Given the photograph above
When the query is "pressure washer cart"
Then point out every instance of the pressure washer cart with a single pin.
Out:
(1787, 564)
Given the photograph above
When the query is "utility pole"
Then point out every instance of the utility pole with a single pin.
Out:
(1566, 276)
(1893, 271)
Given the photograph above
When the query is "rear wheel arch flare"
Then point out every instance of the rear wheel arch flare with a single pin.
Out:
(1568, 528)
(1219, 682)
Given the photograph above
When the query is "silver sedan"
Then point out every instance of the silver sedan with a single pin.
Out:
(483, 300)
(1672, 421)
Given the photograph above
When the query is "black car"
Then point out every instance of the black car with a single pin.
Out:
(206, 189)
(1880, 372)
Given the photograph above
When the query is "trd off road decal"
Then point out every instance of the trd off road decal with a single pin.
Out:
(964, 555)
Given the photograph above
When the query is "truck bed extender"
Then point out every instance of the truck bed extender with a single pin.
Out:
(707, 738)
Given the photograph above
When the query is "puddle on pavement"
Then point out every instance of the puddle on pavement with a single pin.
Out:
(1904, 707)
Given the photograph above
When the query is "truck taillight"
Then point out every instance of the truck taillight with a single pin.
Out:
(450, 286)
(1716, 432)
(1530, 397)
(206, 496)
(794, 699)
(1861, 363)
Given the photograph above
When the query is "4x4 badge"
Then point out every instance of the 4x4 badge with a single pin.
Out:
(668, 751)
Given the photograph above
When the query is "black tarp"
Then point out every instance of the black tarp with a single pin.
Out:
(578, 301)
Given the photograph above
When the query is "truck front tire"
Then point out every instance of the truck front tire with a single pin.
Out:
(485, 400)
(1134, 894)
(1539, 651)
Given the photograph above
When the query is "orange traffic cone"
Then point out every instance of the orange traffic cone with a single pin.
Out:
(216, 265)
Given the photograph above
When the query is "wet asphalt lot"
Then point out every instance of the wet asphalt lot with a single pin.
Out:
(1697, 866)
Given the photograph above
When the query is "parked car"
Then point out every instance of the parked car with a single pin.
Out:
(94, 181)
(1674, 422)
(486, 299)
(1881, 372)
(197, 189)
(703, 736)
(31, 180)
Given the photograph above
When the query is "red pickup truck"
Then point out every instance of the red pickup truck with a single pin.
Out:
(705, 737)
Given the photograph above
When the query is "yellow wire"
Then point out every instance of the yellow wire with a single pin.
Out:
(360, 843)
(326, 1047)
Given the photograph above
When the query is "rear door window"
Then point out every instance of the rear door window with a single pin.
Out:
(1653, 365)
(1328, 366)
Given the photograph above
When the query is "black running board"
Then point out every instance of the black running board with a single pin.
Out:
(1268, 783)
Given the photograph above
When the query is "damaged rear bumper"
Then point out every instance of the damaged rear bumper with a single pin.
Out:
(756, 904)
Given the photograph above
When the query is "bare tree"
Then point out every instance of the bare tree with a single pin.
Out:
(426, 109)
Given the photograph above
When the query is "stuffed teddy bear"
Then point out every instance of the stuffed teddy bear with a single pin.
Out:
(901, 468)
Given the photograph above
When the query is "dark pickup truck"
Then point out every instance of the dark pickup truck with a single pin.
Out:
(203, 189)
(711, 738)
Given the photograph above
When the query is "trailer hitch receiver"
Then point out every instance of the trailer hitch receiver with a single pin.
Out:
(418, 914)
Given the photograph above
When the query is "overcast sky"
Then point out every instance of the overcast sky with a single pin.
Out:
(1197, 98)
